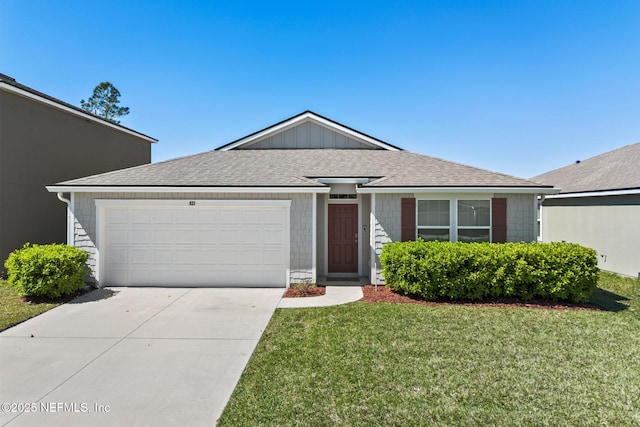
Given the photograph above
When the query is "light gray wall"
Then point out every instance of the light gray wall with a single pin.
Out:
(521, 217)
(365, 257)
(307, 135)
(41, 145)
(300, 231)
(387, 213)
(609, 224)
(320, 234)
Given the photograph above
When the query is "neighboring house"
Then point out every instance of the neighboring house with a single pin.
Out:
(598, 207)
(303, 198)
(45, 140)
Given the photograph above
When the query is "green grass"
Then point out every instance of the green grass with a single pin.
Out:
(14, 311)
(367, 364)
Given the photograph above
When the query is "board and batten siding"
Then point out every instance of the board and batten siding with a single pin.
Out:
(307, 135)
(84, 210)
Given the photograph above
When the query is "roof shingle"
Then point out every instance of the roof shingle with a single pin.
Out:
(293, 168)
(613, 170)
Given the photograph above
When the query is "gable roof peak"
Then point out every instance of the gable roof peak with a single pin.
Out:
(301, 118)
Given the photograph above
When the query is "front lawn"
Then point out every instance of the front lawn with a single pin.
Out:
(13, 310)
(406, 364)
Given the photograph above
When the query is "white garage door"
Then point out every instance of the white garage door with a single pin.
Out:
(208, 243)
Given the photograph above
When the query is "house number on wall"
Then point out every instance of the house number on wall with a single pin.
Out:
(192, 202)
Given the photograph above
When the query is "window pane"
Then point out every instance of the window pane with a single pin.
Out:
(473, 213)
(434, 234)
(433, 213)
(473, 235)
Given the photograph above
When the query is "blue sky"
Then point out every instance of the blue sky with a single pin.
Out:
(519, 87)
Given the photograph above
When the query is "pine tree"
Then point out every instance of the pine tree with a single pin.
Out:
(104, 103)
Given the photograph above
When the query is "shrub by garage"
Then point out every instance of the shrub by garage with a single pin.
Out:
(475, 271)
(47, 271)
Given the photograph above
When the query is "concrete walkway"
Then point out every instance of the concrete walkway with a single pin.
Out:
(132, 356)
(335, 295)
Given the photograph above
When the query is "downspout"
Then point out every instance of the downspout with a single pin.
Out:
(61, 197)
(540, 201)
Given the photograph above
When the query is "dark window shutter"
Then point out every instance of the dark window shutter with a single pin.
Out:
(499, 220)
(408, 219)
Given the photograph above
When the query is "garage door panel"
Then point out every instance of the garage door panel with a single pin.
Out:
(141, 256)
(140, 216)
(207, 237)
(161, 216)
(228, 217)
(195, 246)
(207, 216)
(184, 216)
(162, 256)
(185, 236)
(118, 216)
(118, 255)
(118, 236)
(140, 236)
(163, 236)
(227, 237)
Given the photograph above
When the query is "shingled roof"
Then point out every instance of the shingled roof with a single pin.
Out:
(298, 168)
(613, 170)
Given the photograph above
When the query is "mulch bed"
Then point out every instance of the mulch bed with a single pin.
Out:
(294, 292)
(383, 294)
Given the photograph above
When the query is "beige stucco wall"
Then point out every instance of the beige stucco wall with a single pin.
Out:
(612, 229)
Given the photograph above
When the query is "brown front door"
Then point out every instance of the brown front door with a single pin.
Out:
(343, 239)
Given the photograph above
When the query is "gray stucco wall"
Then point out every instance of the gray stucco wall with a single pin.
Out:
(609, 224)
(41, 145)
(300, 222)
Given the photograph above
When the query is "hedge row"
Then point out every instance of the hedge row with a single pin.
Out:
(48, 271)
(444, 270)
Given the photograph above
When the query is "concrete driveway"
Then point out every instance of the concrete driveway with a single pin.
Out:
(132, 356)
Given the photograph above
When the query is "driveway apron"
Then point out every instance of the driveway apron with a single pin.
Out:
(132, 356)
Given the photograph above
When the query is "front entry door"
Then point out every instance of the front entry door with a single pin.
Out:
(343, 238)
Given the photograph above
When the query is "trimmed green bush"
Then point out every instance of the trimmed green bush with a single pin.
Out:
(48, 271)
(452, 271)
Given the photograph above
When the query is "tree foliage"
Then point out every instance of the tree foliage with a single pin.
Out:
(104, 103)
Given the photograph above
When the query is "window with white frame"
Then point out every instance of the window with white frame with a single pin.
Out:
(434, 220)
(462, 220)
(474, 220)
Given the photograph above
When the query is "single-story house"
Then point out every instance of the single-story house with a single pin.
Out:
(599, 207)
(45, 140)
(303, 198)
